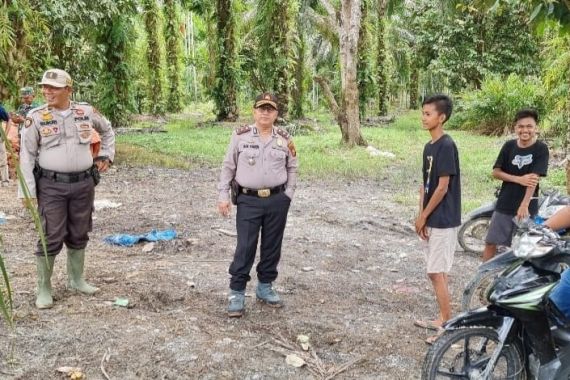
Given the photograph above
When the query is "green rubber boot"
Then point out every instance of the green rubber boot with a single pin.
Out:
(44, 269)
(75, 264)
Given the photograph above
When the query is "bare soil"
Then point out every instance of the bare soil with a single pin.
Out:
(351, 275)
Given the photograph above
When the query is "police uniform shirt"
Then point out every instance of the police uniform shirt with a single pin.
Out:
(60, 140)
(256, 164)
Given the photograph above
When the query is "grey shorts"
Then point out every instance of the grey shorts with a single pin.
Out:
(501, 229)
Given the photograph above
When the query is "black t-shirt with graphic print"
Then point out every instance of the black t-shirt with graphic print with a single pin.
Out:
(520, 161)
(441, 158)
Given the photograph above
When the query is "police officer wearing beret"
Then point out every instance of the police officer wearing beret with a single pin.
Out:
(262, 161)
(57, 136)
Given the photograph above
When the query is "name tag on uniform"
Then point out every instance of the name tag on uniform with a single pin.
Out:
(251, 146)
(82, 118)
(49, 122)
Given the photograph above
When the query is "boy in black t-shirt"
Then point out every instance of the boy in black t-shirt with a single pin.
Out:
(520, 164)
(440, 204)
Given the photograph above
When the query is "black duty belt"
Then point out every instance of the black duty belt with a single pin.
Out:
(262, 193)
(66, 177)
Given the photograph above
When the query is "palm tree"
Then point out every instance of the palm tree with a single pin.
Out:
(225, 87)
(154, 56)
(173, 50)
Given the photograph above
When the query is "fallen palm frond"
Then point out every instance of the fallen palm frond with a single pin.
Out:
(6, 304)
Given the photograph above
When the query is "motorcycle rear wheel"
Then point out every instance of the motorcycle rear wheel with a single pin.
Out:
(464, 353)
(475, 293)
(471, 235)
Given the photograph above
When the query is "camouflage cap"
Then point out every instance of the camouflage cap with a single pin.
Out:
(265, 98)
(56, 78)
(24, 91)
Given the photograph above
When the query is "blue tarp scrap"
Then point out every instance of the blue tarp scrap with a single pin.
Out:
(127, 240)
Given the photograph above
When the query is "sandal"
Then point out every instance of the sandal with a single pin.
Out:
(430, 325)
(432, 339)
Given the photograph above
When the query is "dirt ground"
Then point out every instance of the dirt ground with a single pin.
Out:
(351, 275)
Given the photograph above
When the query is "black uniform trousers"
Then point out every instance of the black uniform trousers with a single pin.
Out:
(254, 214)
(66, 213)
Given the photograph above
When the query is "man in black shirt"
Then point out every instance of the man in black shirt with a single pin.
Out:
(440, 204)
(520, 164)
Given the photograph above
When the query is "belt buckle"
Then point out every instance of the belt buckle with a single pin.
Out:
(263, 193)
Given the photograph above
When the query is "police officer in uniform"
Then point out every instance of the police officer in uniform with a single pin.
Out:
(57, 136)
(262, 161)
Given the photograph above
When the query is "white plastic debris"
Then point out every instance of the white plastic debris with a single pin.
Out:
(294, 360)
(304, 342)
(101, 204)
(378, 153)
(148, 247)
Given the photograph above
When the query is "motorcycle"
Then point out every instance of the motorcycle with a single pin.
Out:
(520, 334)
(474, 294)
(472, 233)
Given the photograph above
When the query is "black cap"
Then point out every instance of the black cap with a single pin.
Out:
(265, 98)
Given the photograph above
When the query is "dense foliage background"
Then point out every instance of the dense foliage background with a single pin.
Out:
(158, 56)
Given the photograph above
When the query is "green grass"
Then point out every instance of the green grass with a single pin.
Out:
(198, 141)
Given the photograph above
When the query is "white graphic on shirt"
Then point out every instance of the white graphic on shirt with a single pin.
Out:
(430, 159)
(521, 161)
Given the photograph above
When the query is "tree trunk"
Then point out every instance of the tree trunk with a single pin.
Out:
(414, 85)
(349, 30)
(338, 113)
(274, 23)
(363, 69)
(298, 90)
(381, 81)
(115, 101)
(154, 56)
(225, 88)
(173, 44)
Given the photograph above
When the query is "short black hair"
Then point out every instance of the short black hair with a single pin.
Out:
(527, 112)
(443, 104)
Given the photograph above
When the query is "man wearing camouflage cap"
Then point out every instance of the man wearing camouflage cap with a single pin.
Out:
(27, 96)
(261, 162)
(14, 127)
(57, 136)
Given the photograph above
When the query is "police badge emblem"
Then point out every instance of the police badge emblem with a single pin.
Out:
(47, 116)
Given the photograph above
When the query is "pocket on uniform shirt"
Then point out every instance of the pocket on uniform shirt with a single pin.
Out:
(84, 132)
(50, 140)
(278, 157)
(249, 155)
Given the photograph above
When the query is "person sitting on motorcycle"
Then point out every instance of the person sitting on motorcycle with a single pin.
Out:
(520, 164)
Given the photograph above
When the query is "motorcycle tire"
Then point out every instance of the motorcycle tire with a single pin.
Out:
(471, 235)
(475, 293)
(465, 352)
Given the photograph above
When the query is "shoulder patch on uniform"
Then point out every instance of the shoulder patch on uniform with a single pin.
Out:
(283, 133)
(33, 110)
(292, 149)
(28, 122)
(243, 129)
